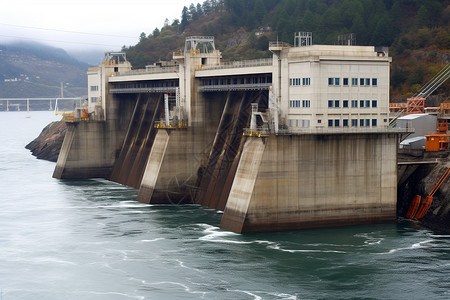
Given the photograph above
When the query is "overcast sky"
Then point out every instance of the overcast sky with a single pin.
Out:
(85, 24)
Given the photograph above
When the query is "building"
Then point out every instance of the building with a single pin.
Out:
(332, 86)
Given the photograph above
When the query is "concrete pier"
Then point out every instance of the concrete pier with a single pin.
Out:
(304, 181)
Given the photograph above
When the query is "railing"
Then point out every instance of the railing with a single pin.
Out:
(259, 132)
(172, 125)
(157, 70)
(168, 89)
(240, 64)
(278, 44)
(234, 87)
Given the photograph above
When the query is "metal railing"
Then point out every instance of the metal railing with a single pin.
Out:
(234, 87)
(344, 130)
(157, 70)
(240, 64)
(279, 44)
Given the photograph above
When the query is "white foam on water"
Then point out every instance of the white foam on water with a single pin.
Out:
(412, 247)
(117, 294)
(185, 287)
(256, 297)
(277, 247)
(151, 241)
(181, 263)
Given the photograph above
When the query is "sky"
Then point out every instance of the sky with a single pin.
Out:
(104, 25)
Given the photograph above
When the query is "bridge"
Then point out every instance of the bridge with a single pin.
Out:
(298, 140)
(26, 103)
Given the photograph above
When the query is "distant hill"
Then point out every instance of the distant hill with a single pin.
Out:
(417, 32)
(36, 70)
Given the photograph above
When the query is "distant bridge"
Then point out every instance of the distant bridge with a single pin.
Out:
(53, 102)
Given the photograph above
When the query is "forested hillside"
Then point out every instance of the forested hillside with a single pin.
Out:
(417, 32)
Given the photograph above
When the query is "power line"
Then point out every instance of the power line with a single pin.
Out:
(67, 31)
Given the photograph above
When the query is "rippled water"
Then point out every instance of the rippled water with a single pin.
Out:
(90, 239)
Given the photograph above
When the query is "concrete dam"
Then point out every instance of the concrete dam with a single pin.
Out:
(300, 140)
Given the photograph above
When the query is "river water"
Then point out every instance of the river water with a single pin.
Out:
(90, 239)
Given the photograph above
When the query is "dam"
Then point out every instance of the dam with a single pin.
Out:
(299, 140)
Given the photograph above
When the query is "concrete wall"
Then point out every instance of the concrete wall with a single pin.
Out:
(301, 181)
(184, 156)
(91, 147)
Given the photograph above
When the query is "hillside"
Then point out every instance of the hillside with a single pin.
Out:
(36, 70)
(416, 32)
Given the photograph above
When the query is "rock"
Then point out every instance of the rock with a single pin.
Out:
(48, 144)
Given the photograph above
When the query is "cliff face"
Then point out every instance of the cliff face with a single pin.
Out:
(48, 144)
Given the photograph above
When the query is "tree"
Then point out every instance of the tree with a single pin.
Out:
(260, 10)
(206, 7)
(142, 36)
(156, 32)
(199, 9)
(193, 12)
(383, 33)
(184, 18)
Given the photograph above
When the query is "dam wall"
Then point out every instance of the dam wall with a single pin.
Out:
(179, 154)
(305, 181)
(90, 149)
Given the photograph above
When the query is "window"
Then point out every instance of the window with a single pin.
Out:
(354, 122)
(93, 99)
(367, 103)
(345, 103)
(367, 121)
(94, 88)
(330, 123)
(290, 81)
(290, 123)
(345, 123)
(306, 81)
(361, 103)
(336, 81)
(374, 122)
(305, 123)
(330, 103)
(345, 81)
(361, 122)
(336, 103)
(374, 82)
(367, 81)
(361, 81)
(297, 81)
(319, 121)
(330, 81)
(336, 123)
(355, 81)
(306, 103)
(354, 103)
(374, 103)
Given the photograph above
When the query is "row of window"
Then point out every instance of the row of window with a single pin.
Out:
(336, 103)
(336, 81)
(336, 123)
(299, 81)
(354, 123)
(354, 103)
(299, 103)
(299, 123)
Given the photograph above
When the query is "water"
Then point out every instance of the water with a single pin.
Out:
(90, 239)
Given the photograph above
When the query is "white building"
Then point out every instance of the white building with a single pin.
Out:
(323, 86)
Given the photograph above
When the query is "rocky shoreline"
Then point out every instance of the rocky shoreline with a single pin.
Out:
(48, 144)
